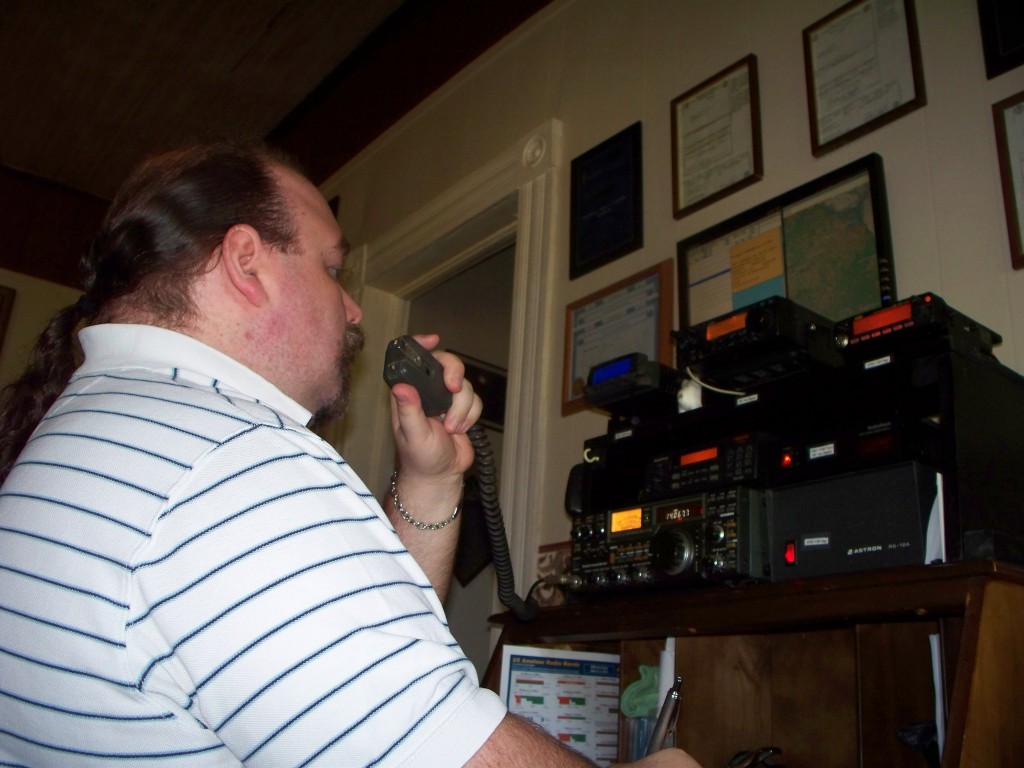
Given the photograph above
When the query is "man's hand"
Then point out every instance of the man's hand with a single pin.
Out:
(665, 758)
(433, 454)
(428, 447)
(518, 743)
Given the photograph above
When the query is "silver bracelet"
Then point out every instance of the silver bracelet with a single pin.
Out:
(411, 520)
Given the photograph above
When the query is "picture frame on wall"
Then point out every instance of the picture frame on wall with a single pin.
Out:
(632, 315)
(1002, 35)
(1008, 116)
(606, 211)
(6, 305)
(863, 70)
(716, 138)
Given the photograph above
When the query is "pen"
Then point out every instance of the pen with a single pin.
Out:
(668, 713)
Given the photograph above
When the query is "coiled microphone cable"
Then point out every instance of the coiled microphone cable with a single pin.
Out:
(524, 610)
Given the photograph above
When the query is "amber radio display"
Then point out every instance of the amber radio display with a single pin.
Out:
(625, 520)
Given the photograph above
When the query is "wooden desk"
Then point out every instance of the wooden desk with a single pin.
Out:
(827, 669)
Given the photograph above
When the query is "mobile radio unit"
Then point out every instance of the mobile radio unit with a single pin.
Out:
(715, 535)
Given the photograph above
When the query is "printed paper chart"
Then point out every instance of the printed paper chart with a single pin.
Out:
(573, 695)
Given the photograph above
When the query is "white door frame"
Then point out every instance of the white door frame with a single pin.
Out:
(512, 197)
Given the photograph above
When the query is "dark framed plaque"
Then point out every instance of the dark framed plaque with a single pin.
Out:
(1002, 35)
(1009, 122)
(606, 219)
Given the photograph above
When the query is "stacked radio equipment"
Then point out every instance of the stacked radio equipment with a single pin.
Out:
(891, 438)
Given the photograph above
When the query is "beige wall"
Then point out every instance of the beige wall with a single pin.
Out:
(599, 65)
(35, 302)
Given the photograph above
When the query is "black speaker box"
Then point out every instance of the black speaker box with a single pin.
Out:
(859, 521)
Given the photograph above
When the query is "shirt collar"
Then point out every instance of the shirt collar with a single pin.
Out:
(124, 345)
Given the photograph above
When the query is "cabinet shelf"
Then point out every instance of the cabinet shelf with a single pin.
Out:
(827, 668)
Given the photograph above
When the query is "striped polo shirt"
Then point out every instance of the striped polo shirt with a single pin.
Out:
(190, 577)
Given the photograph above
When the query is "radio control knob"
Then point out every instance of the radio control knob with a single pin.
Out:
(570, 581)
(717, 533)
(672, 551)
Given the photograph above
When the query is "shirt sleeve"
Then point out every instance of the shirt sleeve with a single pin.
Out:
(276, 605)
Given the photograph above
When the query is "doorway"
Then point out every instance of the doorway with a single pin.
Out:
(472, 312)
(509, 200)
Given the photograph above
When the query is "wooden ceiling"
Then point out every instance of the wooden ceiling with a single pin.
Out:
(91, 86)
(88, 87)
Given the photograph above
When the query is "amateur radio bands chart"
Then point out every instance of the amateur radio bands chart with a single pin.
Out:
(573, 695)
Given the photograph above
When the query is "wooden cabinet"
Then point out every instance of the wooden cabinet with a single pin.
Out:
(827, 669)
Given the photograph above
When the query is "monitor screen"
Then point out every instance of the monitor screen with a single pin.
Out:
(825, 245)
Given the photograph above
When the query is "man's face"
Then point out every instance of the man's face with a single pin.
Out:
(321, 335)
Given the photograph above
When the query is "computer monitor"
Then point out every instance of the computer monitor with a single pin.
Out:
(825, 245)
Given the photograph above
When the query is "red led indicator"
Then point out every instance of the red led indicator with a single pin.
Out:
(787, 460)
(790, 554)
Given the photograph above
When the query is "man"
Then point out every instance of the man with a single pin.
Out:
(188, 575)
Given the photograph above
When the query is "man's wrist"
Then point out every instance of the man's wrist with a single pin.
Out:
(397, 501)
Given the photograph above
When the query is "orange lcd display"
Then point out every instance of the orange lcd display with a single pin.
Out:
(695, 457)
(882, 318)
(726, 325)
(626, 520)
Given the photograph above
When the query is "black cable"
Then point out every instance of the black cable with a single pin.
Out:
(524, 610)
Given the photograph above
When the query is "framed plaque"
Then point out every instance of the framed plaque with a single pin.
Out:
(1009, 121)
(6, 304)
(863, 70)
(606, 219)
(1002, 35)
(716, 138)
(633, 315)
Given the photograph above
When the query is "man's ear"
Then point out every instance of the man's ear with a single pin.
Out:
(243, 256)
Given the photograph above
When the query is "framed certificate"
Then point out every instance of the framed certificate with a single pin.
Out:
(716, 138)
(863, 70)
(633, 315)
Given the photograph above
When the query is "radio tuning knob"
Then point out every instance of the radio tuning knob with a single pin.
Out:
(672, 551)
(717, 534)
(570, 581)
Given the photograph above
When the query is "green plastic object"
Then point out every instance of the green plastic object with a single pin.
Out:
(640, 699)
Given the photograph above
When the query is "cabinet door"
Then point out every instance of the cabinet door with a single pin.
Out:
(827, 698)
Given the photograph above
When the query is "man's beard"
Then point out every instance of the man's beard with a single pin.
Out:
(351, 346)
